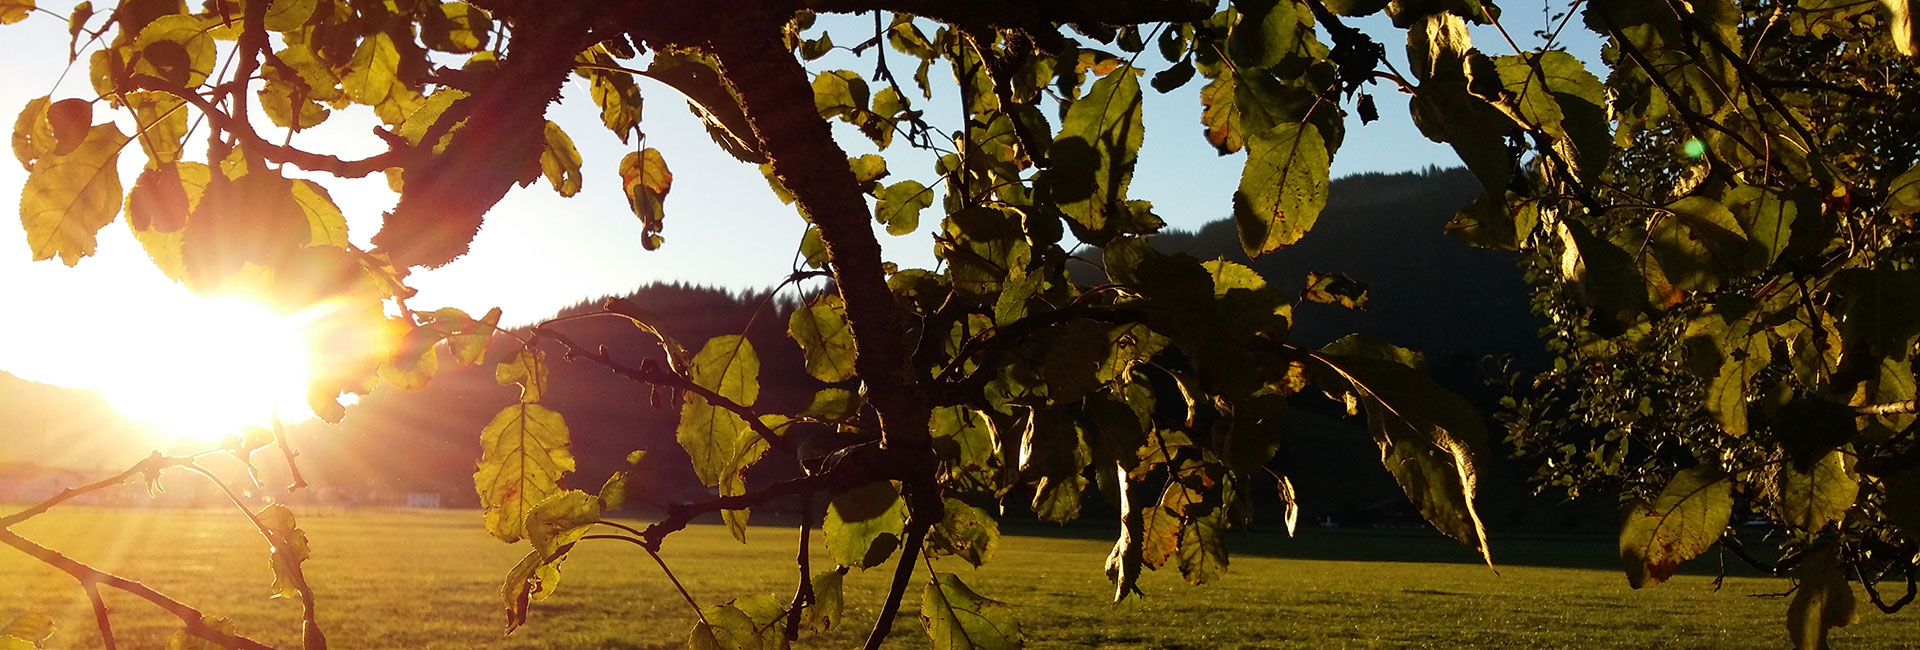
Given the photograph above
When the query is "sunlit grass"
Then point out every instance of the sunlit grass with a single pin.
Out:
(431, 580)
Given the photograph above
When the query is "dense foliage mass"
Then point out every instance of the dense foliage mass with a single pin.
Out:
(1719, 230)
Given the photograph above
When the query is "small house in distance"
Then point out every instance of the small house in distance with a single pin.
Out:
(428, 500)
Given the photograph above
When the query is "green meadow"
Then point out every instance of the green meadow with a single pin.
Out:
(432, 580)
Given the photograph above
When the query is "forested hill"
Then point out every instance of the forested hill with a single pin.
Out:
(1428, 291)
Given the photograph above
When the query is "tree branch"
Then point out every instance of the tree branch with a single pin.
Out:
(87, 575)
(777, 96)
(306, 160)
(651, 374)
(150, 465)
(101, 618)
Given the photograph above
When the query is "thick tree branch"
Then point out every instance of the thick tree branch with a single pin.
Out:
(778, 98)
(1906, 407)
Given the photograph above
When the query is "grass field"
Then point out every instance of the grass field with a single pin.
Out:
(431, 580)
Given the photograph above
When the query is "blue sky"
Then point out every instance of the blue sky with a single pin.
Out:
(539, 252)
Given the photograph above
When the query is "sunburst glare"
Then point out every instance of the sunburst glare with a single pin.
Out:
(214, 367)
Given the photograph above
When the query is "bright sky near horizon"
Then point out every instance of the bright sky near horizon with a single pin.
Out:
(86, 325)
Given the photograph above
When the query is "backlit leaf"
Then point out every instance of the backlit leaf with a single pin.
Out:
(534, 578)
(1094, 154)
(560, 161)
(1429, 439)
(712, 435)
(1682, 522)
(824, 337)
(289, 550)
(1202, 552)
(967, 532)
(646, 180)
(32, 627)
(1824, 599)
(1812, 499)
(865, 525)
(1282, 189)
(827, 607)
(561, 520)
(900, 205)
(68, 199)
(528, 368)
(523, 455)
(956, 618)
(370, 76)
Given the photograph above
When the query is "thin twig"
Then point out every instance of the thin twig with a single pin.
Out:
(101, 617)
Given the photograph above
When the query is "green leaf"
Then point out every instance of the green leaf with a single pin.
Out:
(1903, 193)
(560, 521)
(751, 623)
(1282, 189)
(828, 605)
(1553, 91)
(560, 161)
(1812, 499)
(966, 532)
(613, 493)
(1699, 244)
(68, 199)
(1202, 554)
(371, 74)
(956, 618)
(1767, 218)
(1267, 32)
(714, 436)
(1429, 439)
(824, 337)
(646, 180)
(1684, 521)
(1094, 155)
(865, 525)
(963, 436)
(527, 368)
(1447, 110)
(1824, 599)
(469, 339)
(1727, 390)
(900, 205)
(523, 455)
(289, 550)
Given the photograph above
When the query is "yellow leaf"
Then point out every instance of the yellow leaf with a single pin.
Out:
(68, 199)
(523, 455)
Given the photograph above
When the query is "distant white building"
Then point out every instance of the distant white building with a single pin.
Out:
(429, 500)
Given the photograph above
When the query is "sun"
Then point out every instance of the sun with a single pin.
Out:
(212, 367)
